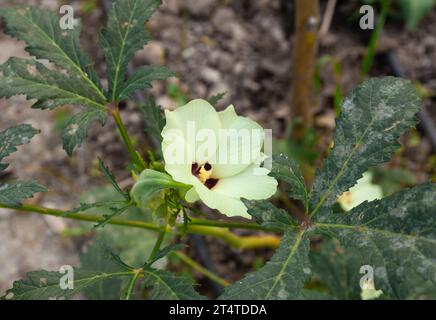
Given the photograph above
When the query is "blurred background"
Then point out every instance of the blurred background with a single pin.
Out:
(290, 79)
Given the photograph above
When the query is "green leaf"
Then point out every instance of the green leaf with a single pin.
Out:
(44, 285)
(373, 117)
(12, 193)
(108, 174)
(13, 137)
(269, 216)
(338, 269)
(77, 128)
(45, 39)
(73, 82)
(124, 34)
(142, 79)
(165, 251)
(216, 98)
(87, 206)
(109, 217)
(150, 182)
(288, 170)
(281, 278)
(132, 244)
(306, 294)
(414, 11)
(50, 88)
(166, 286)
(154, 119)
(97, 257)
(396, 236)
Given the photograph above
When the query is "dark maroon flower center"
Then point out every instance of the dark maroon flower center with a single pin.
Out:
(203, 173)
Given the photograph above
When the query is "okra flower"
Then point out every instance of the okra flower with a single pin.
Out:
(218, 154)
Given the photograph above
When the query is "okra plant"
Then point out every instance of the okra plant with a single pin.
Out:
(205, 158)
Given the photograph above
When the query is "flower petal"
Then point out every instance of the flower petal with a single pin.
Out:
(192, 195)
(227, 205)
(197, 120)
(228, 115)
(178, 157)
(239, 145)
(253, 183)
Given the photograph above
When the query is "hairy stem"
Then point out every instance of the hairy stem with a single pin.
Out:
(231, 225)
(248, 242)
(219, 230)
(82, 216)
(134, 156)
(158, 243)
(131, 286)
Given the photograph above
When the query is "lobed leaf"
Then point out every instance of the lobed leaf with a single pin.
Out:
(269, 216)
(77, 128)
(166, 286)
(337, 268)
(45, 39)
(124, 34)
(50, 88)
(133, 244)
(396, 236)
(373, 117)
(165, 251)
(50, 285)
(97, 257)
(288, 170)
(282, 277)
(12, 193)
(142, 79)
(13, 137)
(154, 119)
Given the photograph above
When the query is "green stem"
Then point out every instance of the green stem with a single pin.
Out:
(82, 216)
(134, 156)
(220, 231)
(231, 225)
(246, 242)
(131, 285)
(196, 266)
(158, 243)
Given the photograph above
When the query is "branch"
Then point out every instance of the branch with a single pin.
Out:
(136, 159)
(219, 230)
